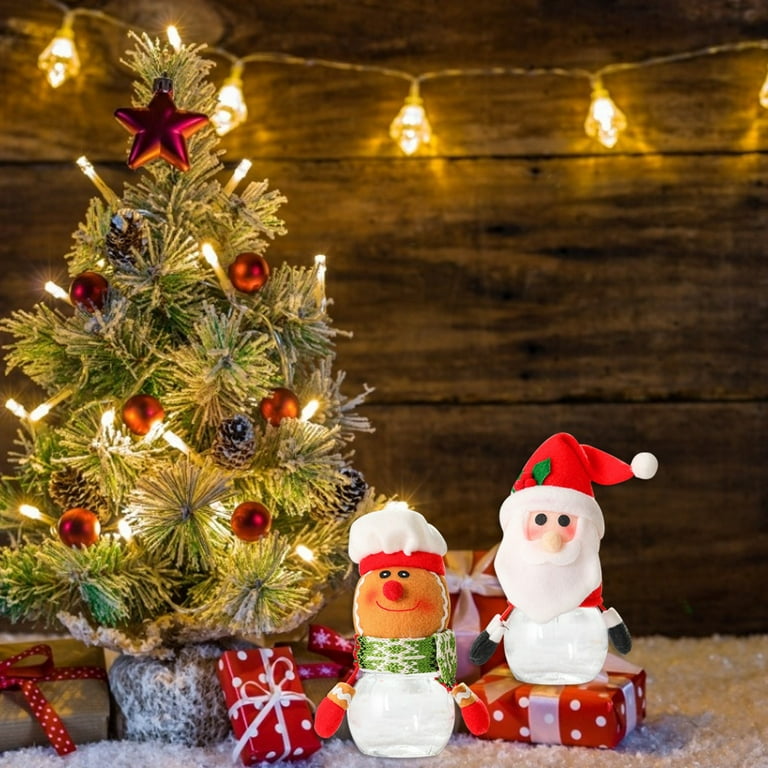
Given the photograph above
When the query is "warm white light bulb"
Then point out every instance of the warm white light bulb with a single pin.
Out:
(40, 412)
(59, 60)
(16, 408)
(309, 410)
(33, 513)
(57, 291)
(411, 128)
(305, 553)
(85, 165)
(605, 121)
(174, 38)
(237, 176)
(175, 441)
(764, 93)
(230, 110)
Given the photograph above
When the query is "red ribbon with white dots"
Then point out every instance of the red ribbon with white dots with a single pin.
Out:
(25, 677)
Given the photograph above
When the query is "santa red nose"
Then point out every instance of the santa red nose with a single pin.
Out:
(393, 590)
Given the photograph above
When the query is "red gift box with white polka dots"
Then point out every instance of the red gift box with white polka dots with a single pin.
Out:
(267, 706)
(596, 714)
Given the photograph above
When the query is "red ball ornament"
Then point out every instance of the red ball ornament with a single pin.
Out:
(141, 413)
(281, 404)
(248, 272)
(251, 520)
(89, 291)
(79, 527)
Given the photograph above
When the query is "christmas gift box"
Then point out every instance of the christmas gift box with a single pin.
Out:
(268, 708)
(596, 714)
(476, 597)
(52, 693)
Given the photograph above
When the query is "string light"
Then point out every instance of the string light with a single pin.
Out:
(16, 408)
(309, 410)
(59, 60)
(231, 110)
(605, 121)
(33, 513)
(45, 408)
(174, 38)
(239, 174)
(305, 553)
(411, 129)
(57, 291)
(210, 255)
(320, 268)
(87, 168)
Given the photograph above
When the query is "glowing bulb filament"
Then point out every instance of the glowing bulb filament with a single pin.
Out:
(230, 107)
(57, 292)
(605, 121)
(174, 38)
(320, 289)
(59, 60)
(16, 408)
(237, 176)
(309, 410)
(411, 128)
(87, 168)
(210, 255)
(44, 409)
(305, 553)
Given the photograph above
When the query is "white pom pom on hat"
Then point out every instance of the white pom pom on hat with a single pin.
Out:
(644, 466)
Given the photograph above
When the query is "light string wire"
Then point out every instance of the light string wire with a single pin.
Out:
(411, 128)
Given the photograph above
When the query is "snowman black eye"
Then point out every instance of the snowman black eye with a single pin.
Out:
(564, 520)
(385, 574)
(540, 519)
(403, 574)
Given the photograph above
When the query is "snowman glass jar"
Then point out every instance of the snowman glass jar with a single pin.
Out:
(402, 703)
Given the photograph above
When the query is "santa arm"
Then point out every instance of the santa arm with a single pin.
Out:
(617, 631)
(488, 640)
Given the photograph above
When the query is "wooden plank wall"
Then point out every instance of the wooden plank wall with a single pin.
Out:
(515, 280)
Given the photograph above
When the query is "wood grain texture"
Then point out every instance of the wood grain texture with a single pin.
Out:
(514, 281)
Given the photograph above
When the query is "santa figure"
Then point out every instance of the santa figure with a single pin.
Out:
(400, 698)
(556, 628)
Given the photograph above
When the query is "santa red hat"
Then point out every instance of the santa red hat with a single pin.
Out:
(396, 536)
(559, 476)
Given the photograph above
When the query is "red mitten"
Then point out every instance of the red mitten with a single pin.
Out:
(331, 710)
(474, 713)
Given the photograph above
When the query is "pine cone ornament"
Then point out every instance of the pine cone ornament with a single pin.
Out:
(127, 236)
(235, 443)
(68, 489)
(351, 494)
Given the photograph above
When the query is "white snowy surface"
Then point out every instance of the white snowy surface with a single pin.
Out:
(707, 707)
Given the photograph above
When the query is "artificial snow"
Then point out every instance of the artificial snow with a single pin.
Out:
(707, 707)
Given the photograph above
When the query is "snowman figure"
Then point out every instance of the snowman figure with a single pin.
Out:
(555, 628)
(399, 699)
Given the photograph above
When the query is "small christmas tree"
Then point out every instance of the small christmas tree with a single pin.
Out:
(179, 491)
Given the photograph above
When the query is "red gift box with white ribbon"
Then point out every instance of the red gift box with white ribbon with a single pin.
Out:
(596, 714)
(476, 597)
(268, 709)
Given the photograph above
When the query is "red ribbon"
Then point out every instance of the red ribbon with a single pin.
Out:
(334, 646)
(26, 679)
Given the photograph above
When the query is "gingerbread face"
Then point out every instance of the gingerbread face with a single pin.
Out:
(401, 602)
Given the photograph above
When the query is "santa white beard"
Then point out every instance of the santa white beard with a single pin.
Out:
(545, 584)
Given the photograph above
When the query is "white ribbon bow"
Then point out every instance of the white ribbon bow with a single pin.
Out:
(465, 580)
(270, 696)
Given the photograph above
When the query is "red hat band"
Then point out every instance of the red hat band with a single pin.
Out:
(428, 561)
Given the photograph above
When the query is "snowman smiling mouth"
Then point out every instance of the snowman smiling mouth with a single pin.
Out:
(398, 610)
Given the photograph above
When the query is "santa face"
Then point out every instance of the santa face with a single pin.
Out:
(401, 602)
(548, 562)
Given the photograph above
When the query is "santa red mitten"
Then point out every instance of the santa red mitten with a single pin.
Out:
(474, 713)
(331, 710)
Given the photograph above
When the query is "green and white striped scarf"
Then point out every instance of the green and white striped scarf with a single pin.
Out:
(410, 655)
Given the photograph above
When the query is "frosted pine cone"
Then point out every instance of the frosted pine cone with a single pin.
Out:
(127, 236)
(235, 443)
(69, 489)
(351, 494)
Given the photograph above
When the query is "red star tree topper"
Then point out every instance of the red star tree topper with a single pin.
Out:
(160, 129)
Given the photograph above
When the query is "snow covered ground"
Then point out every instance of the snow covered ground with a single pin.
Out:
(707, 707)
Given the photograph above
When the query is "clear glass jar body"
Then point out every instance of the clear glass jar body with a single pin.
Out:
(567, 650)
(396, 715)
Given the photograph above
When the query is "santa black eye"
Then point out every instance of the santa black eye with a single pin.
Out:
(564, 520)
(403, 574)
(385, 574)
(540, 519)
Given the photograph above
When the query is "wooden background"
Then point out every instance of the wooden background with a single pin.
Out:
(515, 280)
